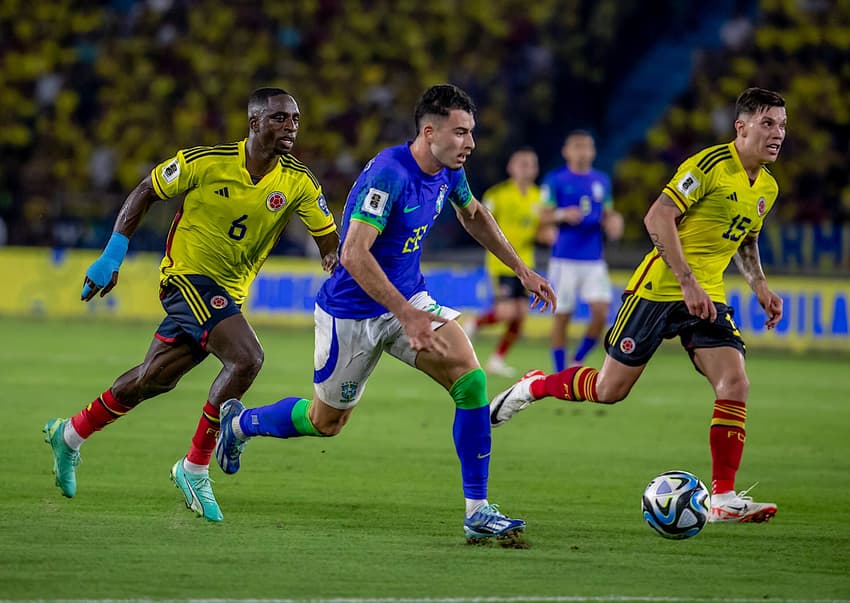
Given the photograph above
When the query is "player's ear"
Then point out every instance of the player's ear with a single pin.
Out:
(254, 124)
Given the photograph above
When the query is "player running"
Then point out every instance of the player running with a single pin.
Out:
(711, 211)
(239, 198)
(377, 301)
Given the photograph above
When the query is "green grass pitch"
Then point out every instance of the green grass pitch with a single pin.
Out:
(377, 512)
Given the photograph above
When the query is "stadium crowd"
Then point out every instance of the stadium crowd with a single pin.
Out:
(94, 94)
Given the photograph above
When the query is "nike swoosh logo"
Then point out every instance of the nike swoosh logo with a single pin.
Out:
(483, 456)
(408, 209)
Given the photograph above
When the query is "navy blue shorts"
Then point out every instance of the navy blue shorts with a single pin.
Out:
(194, 304)
(642, 324)
(509, 287)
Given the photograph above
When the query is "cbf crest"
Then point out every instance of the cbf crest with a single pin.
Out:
(348, 392)
(441, 197)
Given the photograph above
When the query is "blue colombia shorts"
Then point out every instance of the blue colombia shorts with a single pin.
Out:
(509, 287)
(194, 305)
(642, 324)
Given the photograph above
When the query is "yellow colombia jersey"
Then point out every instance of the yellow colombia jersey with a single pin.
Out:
(518, 216)
(720, 208)
(227, 225)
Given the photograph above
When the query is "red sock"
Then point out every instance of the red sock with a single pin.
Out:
(203, 442)
(576, 384)
(487, 319)
(726, 438)
(508, 339)
(100, 412)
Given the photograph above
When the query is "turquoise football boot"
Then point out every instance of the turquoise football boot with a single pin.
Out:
(197, 490)
(65, 460)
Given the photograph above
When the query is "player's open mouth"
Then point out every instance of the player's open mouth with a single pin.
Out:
(773, 148)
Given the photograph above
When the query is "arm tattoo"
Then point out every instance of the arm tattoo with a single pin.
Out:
(748, 261)
(656, 240)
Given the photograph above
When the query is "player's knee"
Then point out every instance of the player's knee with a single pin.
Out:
(733, 387)
(248, 363)
(611, 393)
(329, 427)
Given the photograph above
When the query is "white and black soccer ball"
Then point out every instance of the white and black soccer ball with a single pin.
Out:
(676, 504)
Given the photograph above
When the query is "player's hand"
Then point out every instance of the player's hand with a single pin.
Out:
(772, 305)
(330, 262)
(541, 291)
(102, 275)
(423, 338)
(571, 215)
(698, 301)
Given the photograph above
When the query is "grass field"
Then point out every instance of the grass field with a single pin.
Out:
(376, 513)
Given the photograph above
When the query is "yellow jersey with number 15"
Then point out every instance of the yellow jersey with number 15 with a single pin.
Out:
(720, 209)
(227, 225)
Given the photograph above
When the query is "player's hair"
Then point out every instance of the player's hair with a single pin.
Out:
(754, 100)
(581, 132)
(259, 99)
(440, 100)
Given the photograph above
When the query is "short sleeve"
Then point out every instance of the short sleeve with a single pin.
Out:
(689, 184)
(174, 176)
(374, 194)
(314, 212)
(461, 195)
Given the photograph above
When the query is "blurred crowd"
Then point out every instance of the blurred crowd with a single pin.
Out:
(800, 48)
(94, 94)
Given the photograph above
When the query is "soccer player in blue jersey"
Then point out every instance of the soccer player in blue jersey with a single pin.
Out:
(377, 301)
(239, 198)
(577, 198)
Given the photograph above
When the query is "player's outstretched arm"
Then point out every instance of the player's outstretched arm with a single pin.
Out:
(748, 261)
(661, 223)
(102, 275)
(479, 222)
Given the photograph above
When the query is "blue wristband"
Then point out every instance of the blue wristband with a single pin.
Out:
(116, 248)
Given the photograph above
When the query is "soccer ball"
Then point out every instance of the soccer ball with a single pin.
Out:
(676, 504)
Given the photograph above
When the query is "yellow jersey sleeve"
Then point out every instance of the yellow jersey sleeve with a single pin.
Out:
(696, 177)
(174, 176)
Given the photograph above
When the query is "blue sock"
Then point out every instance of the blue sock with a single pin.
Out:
(288, 418)
(586, 345)
(558, 358)
(472, 438)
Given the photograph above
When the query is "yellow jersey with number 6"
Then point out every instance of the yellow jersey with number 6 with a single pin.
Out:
(227, 224)
(720, 208)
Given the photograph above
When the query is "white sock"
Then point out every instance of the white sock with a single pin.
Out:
(190, 467)
(474, 504)
(723, 497)
(71, 437)
(237, 429)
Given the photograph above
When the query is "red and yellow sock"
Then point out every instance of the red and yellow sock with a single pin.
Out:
(508, 339)
(203, 442)
(99, 413)
(488, 318)
(726, 437)
(577, 384)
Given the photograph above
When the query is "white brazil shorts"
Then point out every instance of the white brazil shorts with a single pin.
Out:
(347, 350)
(573, 279)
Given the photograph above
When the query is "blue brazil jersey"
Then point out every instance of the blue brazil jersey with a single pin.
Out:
(402, 202)
(591, 192)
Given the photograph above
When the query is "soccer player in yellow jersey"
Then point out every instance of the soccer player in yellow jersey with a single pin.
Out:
(515, 204)
(239, 198)
(709, 213)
